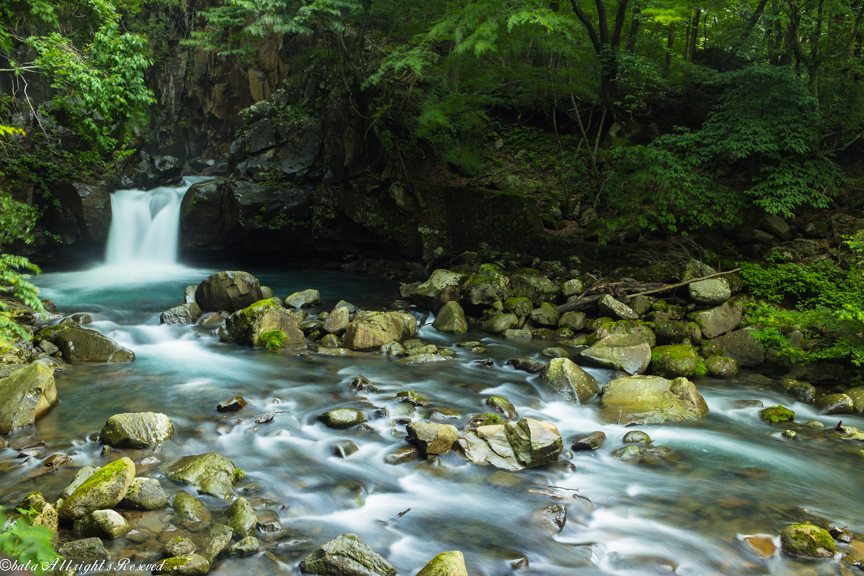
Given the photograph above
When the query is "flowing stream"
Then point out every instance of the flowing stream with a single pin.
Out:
(736, 476)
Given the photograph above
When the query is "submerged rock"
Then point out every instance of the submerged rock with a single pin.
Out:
(346, 555)
(230, 291)
(503, 406)
(211, 473)
(104, 489)
(807, 541)
(570, 381)
(375, 329)
(776, 414)
(26, 395)
(650, 400)
(233, 405)
(136, 430)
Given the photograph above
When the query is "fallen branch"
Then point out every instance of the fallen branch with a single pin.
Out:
(673, 286)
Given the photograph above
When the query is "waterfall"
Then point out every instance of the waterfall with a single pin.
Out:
(145, 226)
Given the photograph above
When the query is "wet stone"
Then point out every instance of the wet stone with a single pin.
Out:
(402, 455)
(232, 405)
(344, 448)
(590, 441)
(637, 437)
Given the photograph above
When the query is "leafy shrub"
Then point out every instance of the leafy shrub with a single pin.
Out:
(24, 542)
(273, 339)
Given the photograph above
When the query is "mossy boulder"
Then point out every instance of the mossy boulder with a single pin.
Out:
(241, 518)
(671, 331)
(545, 315)
(145, 494)
(650, 400)
(230, 291)
(445, 564)
(711, 292)
(26, 395)
(86, 550)
(721, 367)
(673, 361)
(857, 396)
(500, 323)
(136, 430)
(536, 288)
(44, 514)
(82, 345)
(442, 286)
(569, 381)
(189, 509)
(431, 437)
(80, 477)
(188, 565)
(519, 305)
(178, 546)
(604, 327)
(342, 418)
(184, 314)
(346, 555)
(740, 345)
(105, 524)
(626, 353)
(374, 329)
(247, 325)
(835, 404)
(611, 307)
(718, 320)
(573, 320)
(211, 473)
(105, 489)
(777, 414)
(487, 286)
(807, 541)
(451, 318)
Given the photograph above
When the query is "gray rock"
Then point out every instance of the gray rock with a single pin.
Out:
(545, 315)
(106, 524)
(629, 453)
(739, 345)
(630, 354)
(609, 306)
(145, 494)
(346, 555)
(184, 314)
(776, 226)
(719, 320)
(86, 550)
(230, 291)
(510, 446)
(712, 292)
(569, 381)
(441, 287)
(338, 320)
(136, 430)
(241, 518)
(217, 539)
(303, 299)
(835, 404)
(25, 395)
(178, 546)
(571, 288)
(573, 320)
(555, 352)
(211, 473)
(650, 400)
(244, 547)
(451, 318)
(104, 489)
(189, 295)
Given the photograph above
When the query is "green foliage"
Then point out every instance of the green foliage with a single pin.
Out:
(24, 542)
(274, 339)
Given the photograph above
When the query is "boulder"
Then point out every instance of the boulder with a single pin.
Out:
(346, 555)
(500, 323)
(630, 354)
(719, 320)
(536, 288)
(432, 438)
(217, 539)
(104, 489)
(189, 295)
(189, 509)
(545, 315)
(81, 345)
(184, 314)
(342, 418)
(241, 518)
(188, 565)
(807, 541)
(442, 287)
(569, 381)
(571, 288)
(244, 547)
(230, 291)
(80, 477)
(44, 514)
(247, 325)
(145, 494)
(674, 360)
(303, 299)
(857, 396)
(374, 329)
(609, 306)
(739, 345)
(590, 441)
(527, 365)
(512, 446)
(604, 327)
(650, 400)
(136, 430)
(675, 331)
(503, 406)
(25, 395)
(86, 550)
(211, 473)
(520, 306)
(486, 287)
(178, 546)
(105, 524)
(451, 318)
(835, 404)
(711, 292)
(721, 367)
(573, 320)
(777, 414)
(337, 321)
(445, 564)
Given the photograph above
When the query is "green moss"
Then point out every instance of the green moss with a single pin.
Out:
(268, 303)
(701, 369)
(175, 562)
(776, 414)
(527, 272)
(239, 474)
(105, 474)
(490, 418)
(273, 339)
(807, 540)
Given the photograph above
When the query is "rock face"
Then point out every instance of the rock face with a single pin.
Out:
(184, 314)
(451, 318)
(104, 489)
(230, 291)
(627, 353)
(739, 345)
(81, 345)
(374, 329)
(570, 381)
(445, 564)
(432, 438)
(246, 326)
(346, 555)
(136, 430)
(712, 292)
(510, 446)
(442, 287)
(650, 400)
(719, 320)
(145, 494)
(26, 395)
(807, 541)
(211, 473)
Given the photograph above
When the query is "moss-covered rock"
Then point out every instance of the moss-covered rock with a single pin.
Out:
(536, 288)
(445, 564)
(630, 353)
(545, 315)
(835, 404)
(451, 318)
(673, 361)
(188, 508)
(807, 541)
(721, 367)
(211, 473)
(573, 320)
(857, 396)
(719, 320)
(500, 323)
(611, 307)
(82, 345)
(178, 546)
(145, 494)
(604, 327)
(570, 381)
(487, 286)
(441, 287)
(247, 326)
(740, 345)
(105, 524)
(44, 514)
(104, 489)
(711, 292)
(188, 565)
(230, 291)
(776, 414)
(136, 430)
(527, 365)
(503, 406)
(374, 329)
(519, 305)
(25, 395)
(241, 518)
(346, 555)
(636, 437)
(650, 400)
(342, 418)
(86, 550)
